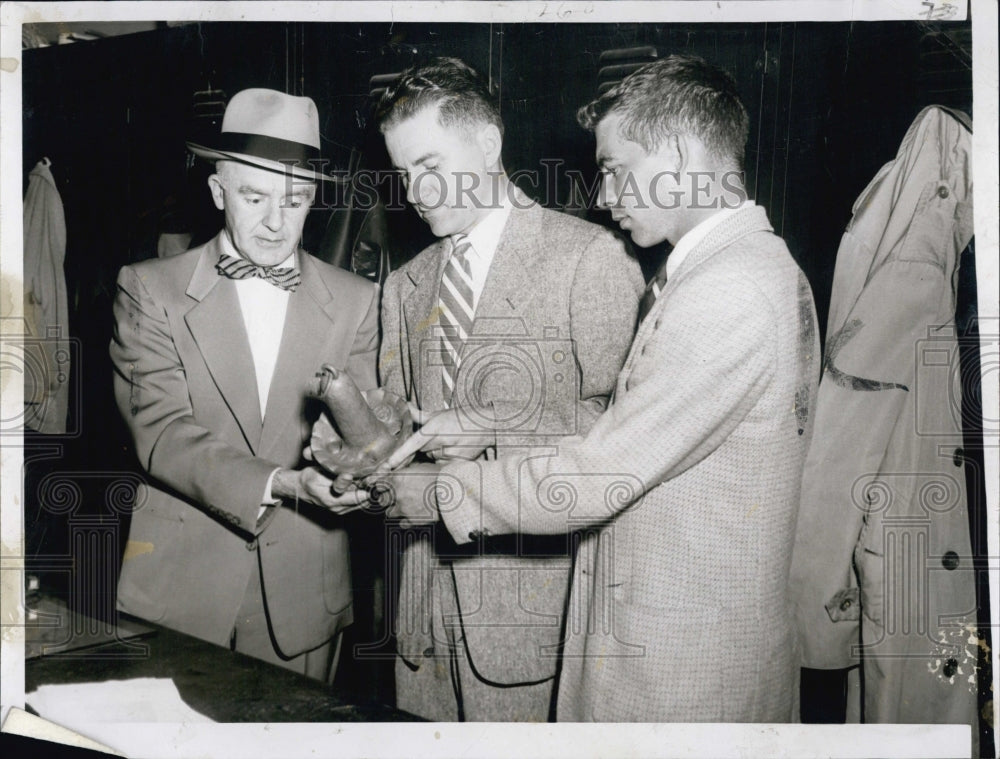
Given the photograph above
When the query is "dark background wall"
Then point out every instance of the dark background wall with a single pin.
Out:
(829, 104)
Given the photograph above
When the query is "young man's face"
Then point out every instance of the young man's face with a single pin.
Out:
(446, 170)
(265, 211)
(640, 189)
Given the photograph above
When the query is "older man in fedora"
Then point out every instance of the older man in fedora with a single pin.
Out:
(233, 539)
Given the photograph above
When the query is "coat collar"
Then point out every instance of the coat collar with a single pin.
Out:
(509, 271)
(740, 224)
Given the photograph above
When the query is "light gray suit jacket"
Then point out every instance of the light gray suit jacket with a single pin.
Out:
(184, 382)
(685, 492)
(551, 330)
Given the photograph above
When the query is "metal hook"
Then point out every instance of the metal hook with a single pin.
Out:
(46, 162)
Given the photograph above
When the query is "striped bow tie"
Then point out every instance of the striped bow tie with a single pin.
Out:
(287, 278)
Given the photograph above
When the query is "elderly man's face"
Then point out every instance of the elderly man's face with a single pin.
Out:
(265, 211)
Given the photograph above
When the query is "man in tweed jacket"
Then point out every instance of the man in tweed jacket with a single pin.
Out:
(685, 491)
(554, 307)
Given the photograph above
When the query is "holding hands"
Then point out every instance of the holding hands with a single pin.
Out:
(407, 494)
(362, 445)
(401, 489)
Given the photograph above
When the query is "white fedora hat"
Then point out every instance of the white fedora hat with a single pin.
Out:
(270, 130)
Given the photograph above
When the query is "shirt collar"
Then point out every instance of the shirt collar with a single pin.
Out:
(696, 234)
(485, 235)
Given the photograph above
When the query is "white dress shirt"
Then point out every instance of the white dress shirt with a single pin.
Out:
(484, 238)
(264, 306)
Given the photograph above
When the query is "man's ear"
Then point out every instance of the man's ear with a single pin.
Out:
(490, 141)
(675, 152)
(215, 186)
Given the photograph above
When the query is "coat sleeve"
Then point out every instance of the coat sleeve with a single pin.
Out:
(151, 391)
(391, 353)
(604, 304)
(697, 377)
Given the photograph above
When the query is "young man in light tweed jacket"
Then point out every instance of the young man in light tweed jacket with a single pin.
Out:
(685, 491)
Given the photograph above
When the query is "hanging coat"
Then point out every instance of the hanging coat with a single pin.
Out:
(47, 345)
(882, 572)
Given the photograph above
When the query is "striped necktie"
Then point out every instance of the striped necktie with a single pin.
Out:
(287, 278)
(457, 309)
(653, 290)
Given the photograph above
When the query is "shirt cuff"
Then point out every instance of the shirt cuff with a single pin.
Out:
(268, 499)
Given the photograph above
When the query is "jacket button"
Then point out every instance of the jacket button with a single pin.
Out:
(642, 351)
(943, 193)
(950, 668)
(958, 457)
(845, 604)
(252, 545)
(950, 560)
(656, 324)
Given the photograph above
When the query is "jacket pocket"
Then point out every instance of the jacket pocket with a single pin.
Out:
(932, 228)
(152, 553)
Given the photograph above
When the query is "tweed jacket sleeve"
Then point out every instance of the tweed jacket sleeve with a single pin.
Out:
(392, 353)
(604, 305)
(694, 374)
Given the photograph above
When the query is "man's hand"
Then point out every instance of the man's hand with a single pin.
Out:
(443, 435)
(312, 485)
(342, 484)
(409, 494)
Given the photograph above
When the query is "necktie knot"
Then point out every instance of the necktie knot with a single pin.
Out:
(460, 249)
(286, 277)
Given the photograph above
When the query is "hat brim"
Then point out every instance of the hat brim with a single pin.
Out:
(212, 154)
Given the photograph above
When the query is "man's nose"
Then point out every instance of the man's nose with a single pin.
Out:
(425, 189)
(411, 190)
(274, 217)
(606, 197)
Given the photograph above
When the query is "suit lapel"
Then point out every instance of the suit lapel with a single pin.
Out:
(509, 279)
(216, 324)
(310, 325)
(742, 223)
(503, 297)
(421, 317)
